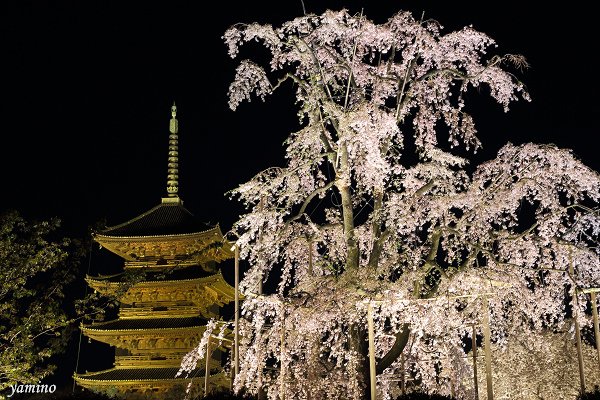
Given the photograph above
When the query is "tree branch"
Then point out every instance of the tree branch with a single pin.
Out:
(309, 199)
(343, 185)
(397, 348)
(376, 234)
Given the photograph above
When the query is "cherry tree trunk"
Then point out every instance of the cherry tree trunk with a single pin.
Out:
(359, 344)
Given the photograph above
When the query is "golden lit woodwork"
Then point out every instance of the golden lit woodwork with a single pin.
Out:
(162, 316)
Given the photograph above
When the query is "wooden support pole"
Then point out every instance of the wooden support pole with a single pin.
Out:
(261, 207)
(281, 356)
(310, 260)
(577, 331)
(474, 350)
(207, 367)
(579, 356)
(372, 370)
(488, 350)
(402, 379)
(236, 347)
(261, 395)
(596, 327)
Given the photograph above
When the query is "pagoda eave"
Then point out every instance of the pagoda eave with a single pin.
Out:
(184, 339)
(197, 247)
(214, 289)
(128, 375)
(140, 388)
(107, 332)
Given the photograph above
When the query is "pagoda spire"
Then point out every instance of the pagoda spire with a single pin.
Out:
(173, 162)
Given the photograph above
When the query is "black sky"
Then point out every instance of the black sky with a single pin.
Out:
(87, 86)
(86, 89)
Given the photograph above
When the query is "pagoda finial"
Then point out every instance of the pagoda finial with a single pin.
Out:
(173, 164)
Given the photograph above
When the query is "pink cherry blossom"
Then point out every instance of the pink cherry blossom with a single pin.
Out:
(354, 219)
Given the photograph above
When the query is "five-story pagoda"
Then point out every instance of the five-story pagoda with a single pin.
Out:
(161, 316)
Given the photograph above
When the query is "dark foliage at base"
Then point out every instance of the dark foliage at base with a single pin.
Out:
(423, 396)
(595, 395)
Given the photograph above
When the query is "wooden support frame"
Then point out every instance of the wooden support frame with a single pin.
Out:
(488, 349)
(310, 257)
(236, 345)
(402, 377)
(281, 357)
(207, 366)
(592, 292)
(372, 371)
(474, 351)
(574, 304)
(487, 343)
(596, 327)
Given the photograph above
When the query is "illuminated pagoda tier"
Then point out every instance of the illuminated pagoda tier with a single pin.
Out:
(163, 312)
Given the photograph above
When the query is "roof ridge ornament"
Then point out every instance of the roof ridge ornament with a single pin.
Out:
(173, 160)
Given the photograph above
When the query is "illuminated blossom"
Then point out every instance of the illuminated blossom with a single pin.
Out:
(354, 218)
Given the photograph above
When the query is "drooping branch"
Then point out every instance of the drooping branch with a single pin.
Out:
(377, 234)
(435, 242)
(317, 63)
(343, 184)
(397, 348)
(326, 143)
(401, 95)
(376, 230)
(309, 198)
(459, 75)
(425, 188)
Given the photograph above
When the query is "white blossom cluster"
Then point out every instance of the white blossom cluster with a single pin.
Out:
(353, 218)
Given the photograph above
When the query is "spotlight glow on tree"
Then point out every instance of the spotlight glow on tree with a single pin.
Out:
(354, 218)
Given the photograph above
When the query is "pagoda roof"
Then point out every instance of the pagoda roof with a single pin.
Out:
(165, 219)
(113, 280)
(147, 323)
(167, 234)
(128, 378)
(177, 274)
(137, 374)
(222, 291)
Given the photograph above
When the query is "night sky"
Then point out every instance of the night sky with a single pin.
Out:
(86, 89)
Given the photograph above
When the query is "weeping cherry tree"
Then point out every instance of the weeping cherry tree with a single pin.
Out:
(377, 207)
